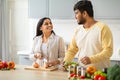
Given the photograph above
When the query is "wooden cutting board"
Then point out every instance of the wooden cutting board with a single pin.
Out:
(53, 68)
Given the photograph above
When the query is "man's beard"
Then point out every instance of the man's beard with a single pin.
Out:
(82, 21)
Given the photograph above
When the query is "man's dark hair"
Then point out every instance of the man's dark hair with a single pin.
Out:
(84, 5)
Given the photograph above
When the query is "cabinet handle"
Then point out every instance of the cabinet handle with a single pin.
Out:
(26, 58)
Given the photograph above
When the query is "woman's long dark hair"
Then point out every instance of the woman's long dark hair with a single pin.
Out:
(40, 23)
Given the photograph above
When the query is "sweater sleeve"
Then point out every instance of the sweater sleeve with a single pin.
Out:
(72, 50)
(31, 55)
(107, 46)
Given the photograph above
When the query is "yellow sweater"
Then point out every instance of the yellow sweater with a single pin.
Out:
(95, 42)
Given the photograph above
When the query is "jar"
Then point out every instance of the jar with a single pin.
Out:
(72, 70)
(83, 71)
(78, 70)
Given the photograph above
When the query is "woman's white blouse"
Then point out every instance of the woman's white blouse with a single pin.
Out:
(55, 47)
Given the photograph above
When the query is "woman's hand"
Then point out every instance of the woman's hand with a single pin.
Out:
(46, 64)
(38, 56)
(52, 63)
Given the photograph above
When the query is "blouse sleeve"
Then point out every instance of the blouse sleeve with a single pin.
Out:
(61, 50)
(31, 55)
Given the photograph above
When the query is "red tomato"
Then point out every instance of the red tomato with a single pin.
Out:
(5, 64)
(96, 77)
(82, 77)
(75, 75)
(72, 74)
(1, 65)
(102, 78)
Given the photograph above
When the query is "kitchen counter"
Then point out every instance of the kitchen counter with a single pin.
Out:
(21, 74)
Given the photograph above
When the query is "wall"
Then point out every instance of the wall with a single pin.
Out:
(0, 33)
(20, 31)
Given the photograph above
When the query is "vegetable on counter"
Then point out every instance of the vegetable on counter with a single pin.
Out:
(7, 65)
(91, 69)
(66, 64)
(113, 73)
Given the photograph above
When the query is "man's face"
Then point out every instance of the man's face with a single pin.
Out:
(79, 17)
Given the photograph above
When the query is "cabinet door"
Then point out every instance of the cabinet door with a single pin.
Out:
(61, 9)
(37, 8)
(106, 9)
(24, 60)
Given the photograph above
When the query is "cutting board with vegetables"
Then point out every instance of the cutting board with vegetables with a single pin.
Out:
(53, 68)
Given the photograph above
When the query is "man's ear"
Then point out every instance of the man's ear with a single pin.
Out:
(84, 13)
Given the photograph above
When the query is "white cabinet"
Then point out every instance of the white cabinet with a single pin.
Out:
(23, 57)
(106, 9)
(55, 9)
(37, 8)
(24, 60)
(61, 9)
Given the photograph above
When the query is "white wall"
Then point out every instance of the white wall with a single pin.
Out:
(0, 33)
(20, 31)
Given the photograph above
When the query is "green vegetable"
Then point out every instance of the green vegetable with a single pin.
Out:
(117, 77)
(70, 63)
(113, 72)
(66, 64)
(98, 72)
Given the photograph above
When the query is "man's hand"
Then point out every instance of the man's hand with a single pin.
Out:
(85, 60)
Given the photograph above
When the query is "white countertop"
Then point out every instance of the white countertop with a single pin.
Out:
(24, 52)
(21, 74)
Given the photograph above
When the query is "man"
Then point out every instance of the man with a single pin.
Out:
(92, 40)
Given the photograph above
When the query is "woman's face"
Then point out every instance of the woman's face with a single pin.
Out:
(47, 26)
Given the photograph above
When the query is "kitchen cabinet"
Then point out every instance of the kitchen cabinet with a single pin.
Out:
(37, 8)
(23, 57)
(24, 60)
(55, 9)
(61, 9)
(106, 9)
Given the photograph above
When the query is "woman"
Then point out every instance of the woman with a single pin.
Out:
(47, 46)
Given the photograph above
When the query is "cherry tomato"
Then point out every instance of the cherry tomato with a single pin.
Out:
(82, 77)
(96, 77)
(72, 74)
(102, 78)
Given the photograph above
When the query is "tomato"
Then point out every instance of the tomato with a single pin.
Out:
(72, 74)
(1, 65)
(75, 75)
(35, 65)
(82, 77)
(96, 77)
(102, 78)
(5, 64)
(91, 69)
